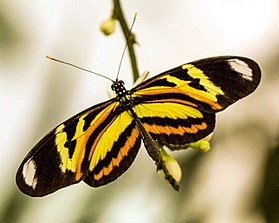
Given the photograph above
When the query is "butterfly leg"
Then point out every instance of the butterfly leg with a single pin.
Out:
(153, 151)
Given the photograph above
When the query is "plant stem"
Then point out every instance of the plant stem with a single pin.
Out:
(118, 14)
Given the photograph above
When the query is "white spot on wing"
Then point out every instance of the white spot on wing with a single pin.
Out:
(28, 172)
(242, 68)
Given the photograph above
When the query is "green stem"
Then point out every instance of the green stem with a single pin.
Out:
(118, 14)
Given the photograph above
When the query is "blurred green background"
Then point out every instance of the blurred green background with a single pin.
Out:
(236, 181)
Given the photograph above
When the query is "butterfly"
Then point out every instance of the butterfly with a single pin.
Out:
(172, 109)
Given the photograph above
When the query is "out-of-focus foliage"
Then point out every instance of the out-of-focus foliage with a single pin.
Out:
(269, 195)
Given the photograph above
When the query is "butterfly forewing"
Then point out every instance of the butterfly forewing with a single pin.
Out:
(62, 157)
(237, 77)
(209, 84)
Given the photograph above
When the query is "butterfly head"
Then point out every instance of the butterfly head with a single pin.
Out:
(122, 95)
(118, 87)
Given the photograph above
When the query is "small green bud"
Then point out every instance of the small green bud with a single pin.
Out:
(107, 26)
(203, 144)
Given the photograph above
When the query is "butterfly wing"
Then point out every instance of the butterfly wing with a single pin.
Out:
(179, 106)
(122, 140)
(173, 123)
(63, 157)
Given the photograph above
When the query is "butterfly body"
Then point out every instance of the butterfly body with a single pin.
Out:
(174, 108)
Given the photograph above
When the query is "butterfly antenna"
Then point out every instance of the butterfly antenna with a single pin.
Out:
(78, 67)
(127, 38)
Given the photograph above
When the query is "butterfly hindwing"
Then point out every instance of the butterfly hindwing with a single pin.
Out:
(112, 146)
(175, 123)
(122, 137)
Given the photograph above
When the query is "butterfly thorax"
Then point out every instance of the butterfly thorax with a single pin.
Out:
(122, 95)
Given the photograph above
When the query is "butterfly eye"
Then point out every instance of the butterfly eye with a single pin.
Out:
(113, 87)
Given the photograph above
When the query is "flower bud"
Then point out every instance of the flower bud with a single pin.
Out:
(107, 26)
(171, 165)
(203, 144)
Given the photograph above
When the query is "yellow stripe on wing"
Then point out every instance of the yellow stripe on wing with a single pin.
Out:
(172, 111)
(123, 152)
(174, 123)
(166, 109)
(81, 136)
(195, 72)
(108, 137)
(208, 97)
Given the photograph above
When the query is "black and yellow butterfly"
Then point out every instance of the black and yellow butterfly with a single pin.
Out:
(173, 108)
